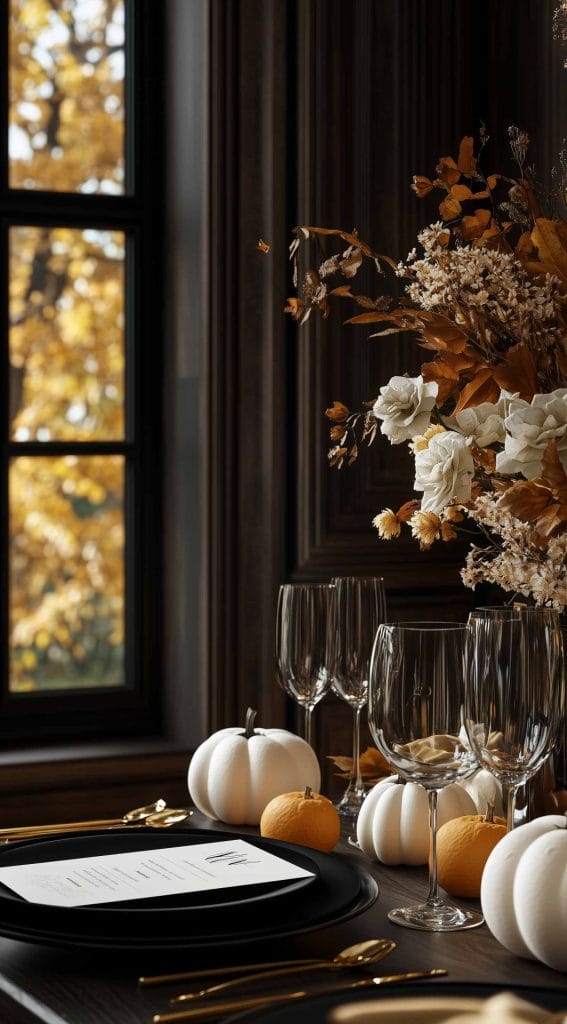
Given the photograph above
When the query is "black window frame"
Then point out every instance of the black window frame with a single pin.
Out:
(135, 709)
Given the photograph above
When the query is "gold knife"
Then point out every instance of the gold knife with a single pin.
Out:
(233, 1005)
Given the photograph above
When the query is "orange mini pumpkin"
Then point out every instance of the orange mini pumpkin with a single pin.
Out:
(307, 818)
(463, 847)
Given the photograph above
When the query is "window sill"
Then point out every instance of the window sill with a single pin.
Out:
(90, 780)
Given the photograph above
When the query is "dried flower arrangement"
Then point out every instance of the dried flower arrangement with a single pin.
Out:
(486, 419)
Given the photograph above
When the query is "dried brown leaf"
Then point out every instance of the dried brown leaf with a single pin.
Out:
(337, 412)
(526, 499)
(482, 388)
(263, 246)
(518, 373)
(450, 208)
(421, 186)
(466, 160)
(485, 458)
(461, 192)
(447, 172)
(372, 765)
(406, 511)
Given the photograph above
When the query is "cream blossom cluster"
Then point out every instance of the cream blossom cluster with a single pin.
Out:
(469, 281)
(517, 563)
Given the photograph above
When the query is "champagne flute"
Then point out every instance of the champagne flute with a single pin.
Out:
(301, 645)
(415, 704)
(515, 701)
(358, 606)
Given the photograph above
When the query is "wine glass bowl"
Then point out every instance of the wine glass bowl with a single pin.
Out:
(358, 606)
(301, 645)
(415, 710)
(514, 701)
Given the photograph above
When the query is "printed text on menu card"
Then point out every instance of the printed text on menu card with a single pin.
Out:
(86, 881)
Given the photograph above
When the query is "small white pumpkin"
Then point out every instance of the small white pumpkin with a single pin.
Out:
(524, 891)
(486, 791)
(235, 773)
(393, 822)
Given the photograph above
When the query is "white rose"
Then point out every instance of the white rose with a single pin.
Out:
(530, 426)
(443, 471)
(484, 424)
(404, 405)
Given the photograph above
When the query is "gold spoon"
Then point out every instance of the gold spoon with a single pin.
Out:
(162, 818)
(137, 814)
(369, 952)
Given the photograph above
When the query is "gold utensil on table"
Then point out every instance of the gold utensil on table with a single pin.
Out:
(369, 952)
(137, 814)
(220, 972)
(161, 819)
(234, 1005)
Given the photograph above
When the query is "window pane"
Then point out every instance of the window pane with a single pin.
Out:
(66, 334)
(66, 128)
(67, 572)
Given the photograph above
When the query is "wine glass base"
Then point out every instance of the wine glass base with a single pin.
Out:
(444, 918)
(350, 803)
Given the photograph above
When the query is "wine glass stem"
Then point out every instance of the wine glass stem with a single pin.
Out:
(509, 792)
(433, 896)
(308, 725)
(356, 776)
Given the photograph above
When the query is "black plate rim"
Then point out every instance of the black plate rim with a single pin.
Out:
(367, 896)
(317, 1007)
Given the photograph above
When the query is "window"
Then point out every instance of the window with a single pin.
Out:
(80, 297)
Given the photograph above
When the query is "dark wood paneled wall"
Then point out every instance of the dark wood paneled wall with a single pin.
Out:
(322, 114)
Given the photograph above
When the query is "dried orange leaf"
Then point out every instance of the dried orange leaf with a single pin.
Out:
(460, 192)
(450, 208)
(466, 159)
(337, 412)
(263, 246)
(482, 388)
(526, 500)
(406, 511)
(518, 373)
(447, 171)
(421, 186)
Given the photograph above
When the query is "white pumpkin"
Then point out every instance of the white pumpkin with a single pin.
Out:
(393, 822)
(235, 773)
(486, 790)
(524, 891)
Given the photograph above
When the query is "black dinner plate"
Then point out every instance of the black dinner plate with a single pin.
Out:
(93, 844)
(315, 1009)
(339, 891)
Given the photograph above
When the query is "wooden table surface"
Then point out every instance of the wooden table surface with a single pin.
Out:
(41, 984)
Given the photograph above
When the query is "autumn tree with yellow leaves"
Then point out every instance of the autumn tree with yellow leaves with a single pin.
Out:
(66, 346)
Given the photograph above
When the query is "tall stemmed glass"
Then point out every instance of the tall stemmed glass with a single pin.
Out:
(358, 607)
(515, 699)
(301, 645)
(415, 702)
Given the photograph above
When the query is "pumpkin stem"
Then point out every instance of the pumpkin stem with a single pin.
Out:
(489, 816)
(249, 723)
(308, 793)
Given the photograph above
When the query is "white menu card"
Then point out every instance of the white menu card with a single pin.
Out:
(198, 867)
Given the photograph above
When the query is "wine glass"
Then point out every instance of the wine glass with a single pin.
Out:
(415, 702)
(358, 606)
(301, 645)
(514, 699)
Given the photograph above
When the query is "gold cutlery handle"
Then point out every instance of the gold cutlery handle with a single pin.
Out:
(218, 1009)
(218, 972)
(20, 832)
(233, 1005)
(259, 976)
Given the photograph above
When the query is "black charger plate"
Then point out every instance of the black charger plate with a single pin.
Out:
(338, 891)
